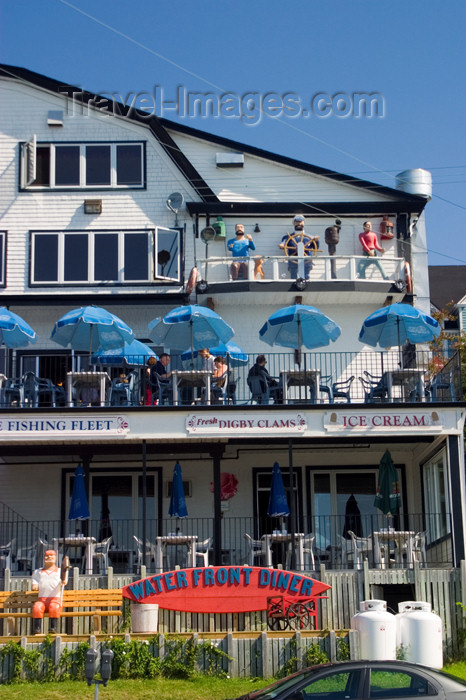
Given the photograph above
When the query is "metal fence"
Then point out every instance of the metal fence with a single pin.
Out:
(393, 376)
(333, 545)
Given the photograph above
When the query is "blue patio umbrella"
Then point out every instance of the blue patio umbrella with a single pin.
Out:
(15, 332)
(395, 324)
(388, 498)
(194, 326)
(134, 353)
(278, 504)
(298, 325)
(79, 507)
(236, 356)
(177, 508)
(90, 328)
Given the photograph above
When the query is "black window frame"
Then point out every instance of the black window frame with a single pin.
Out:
(61, 238)
(29, 161)
(3, 238)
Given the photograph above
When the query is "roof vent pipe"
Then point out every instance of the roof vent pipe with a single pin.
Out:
(417, 181)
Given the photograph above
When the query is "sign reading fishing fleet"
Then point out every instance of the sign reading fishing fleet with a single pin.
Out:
(222, 589)
(251, 424)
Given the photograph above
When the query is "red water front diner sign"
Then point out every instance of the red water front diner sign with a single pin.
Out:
(222, 589)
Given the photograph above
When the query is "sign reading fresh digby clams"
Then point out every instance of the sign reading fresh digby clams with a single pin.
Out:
(222, 589)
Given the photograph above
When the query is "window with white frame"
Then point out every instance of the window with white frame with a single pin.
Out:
(436, 500)
(82, 165)
(105, 257)
(2, 258)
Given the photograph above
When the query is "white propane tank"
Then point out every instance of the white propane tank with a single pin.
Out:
(417, 181)
(377, 630)
(419, 633)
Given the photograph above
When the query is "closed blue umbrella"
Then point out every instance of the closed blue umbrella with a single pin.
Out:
(134, 353)
(236, 356)
(388, 498)
(79, 507)
(14, 331)
(194, 326)
(298, 325)
(395, 324)
(278, 504)
(177, 508)
(90, 328)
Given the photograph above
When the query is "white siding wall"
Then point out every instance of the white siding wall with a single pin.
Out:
(261, 180)
(24, 113)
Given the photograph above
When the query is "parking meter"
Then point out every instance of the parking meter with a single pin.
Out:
(89, 668)
(106, 665)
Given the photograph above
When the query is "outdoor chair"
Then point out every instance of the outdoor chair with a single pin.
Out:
(325, 386)
(342, 551)
(230, 391)
(260, 392)
(150, 553)
(362, 547)
(419, 547)
(341, 390)
(373, 390)
(119, 393)
(255, 549)
(12, 393)
(100, 554)
(202, 551)
(308, 552)
(30, 390)
(46, 392)
(160, 391)
(441, 382)
(26, 558)
(8, 554)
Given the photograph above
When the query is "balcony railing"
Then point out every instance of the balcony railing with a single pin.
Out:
(309, 378)
(274, 268)
(333, 545)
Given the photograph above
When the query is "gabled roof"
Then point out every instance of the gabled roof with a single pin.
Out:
(447, 283)
(402, 201)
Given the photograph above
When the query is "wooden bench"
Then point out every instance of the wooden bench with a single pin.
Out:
(100, 602)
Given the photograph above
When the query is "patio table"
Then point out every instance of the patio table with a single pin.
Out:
(191, 378)
(86, 543)
(175, 540)
(284, 538)
(299, 378)
(91, 380)
(409, 378)
(403, 541)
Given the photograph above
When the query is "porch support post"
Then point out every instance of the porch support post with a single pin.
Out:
(457, 497)
(217, 529)
(86, 461)
(291, 504)
(144, 503)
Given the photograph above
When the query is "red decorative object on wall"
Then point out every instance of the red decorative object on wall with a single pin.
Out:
(228, 486)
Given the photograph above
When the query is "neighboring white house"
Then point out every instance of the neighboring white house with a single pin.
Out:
(104, 205)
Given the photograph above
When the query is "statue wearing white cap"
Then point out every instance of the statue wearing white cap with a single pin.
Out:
(299, 243)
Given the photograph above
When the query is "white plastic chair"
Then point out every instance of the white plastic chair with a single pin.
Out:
(419, 547)
(308, 551)
(7, 554)
(202, 550)
(150, 552)
(362, 546)
(100, 553)
(255, 550)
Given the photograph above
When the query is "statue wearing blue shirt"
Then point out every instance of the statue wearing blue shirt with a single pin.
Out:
(240, 247)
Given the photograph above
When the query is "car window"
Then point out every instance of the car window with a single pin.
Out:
(387, 683)
(334, 685)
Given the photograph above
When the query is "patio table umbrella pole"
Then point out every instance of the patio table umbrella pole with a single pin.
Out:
(144, 503)
(291, 500)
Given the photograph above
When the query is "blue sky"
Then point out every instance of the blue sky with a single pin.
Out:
(410, 54)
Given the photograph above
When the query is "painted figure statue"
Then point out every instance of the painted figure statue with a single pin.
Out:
(49, 581)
